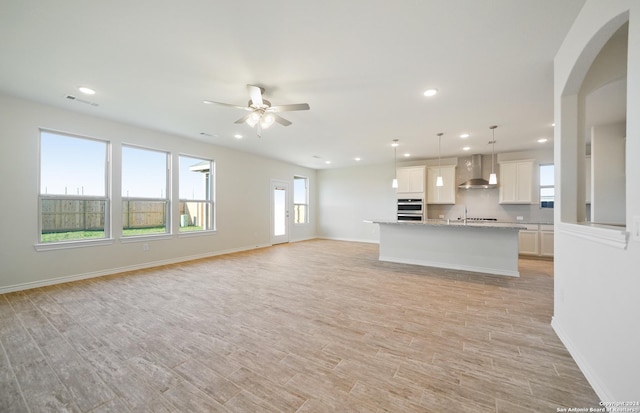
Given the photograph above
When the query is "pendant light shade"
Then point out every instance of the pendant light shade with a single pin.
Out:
(493, 179)
(439, 180)
(394, 183)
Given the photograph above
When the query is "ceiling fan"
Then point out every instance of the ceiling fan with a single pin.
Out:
(262, 113)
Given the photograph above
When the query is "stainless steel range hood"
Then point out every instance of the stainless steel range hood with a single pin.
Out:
(476, 181)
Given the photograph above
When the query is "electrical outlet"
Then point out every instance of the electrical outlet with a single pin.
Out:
(145, 247)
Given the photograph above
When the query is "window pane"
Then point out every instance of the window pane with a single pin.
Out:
(144, 173)
(68, 219)
(73, 182)
(300, 200)
(143, 217)
(72, 166)
(195, 216)
(195, 190)
(194, 178)
(546, 175)
(300, 214)
(299, 190)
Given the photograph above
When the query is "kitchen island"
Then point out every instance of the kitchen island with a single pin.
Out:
(479, 247)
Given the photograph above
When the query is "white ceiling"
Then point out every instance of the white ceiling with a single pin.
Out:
(362, 66)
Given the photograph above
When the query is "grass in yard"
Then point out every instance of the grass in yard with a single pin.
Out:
(128, 232)
(71, 236)
(190, 228)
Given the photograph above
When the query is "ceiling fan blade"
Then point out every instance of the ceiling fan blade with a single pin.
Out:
(256, 95)
(243, 119)
(289, 108)
(281, 120)
(211, 102)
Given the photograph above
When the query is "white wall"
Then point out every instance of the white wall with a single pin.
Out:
(596, 269)
(242, 198)
(349, 196)
(608, 174)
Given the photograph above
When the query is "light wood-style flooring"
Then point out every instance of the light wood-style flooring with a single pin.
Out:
(314, 326)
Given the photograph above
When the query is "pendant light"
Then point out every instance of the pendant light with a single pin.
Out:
(439, 181)
(394, 183)
(493, 179)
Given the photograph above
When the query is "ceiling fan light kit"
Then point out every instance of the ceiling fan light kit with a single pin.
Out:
(262, 113)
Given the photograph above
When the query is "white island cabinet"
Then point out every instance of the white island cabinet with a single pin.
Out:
(485, 248)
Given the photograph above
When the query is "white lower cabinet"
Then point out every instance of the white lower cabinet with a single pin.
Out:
(536, 240)
(546, 240)
(528, 242)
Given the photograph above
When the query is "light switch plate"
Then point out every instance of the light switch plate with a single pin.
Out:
(635, 231)
(519, 218)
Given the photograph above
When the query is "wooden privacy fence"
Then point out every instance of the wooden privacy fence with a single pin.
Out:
(143, 214)
(63, 215)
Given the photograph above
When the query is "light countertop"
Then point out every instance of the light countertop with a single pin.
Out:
(454, 223)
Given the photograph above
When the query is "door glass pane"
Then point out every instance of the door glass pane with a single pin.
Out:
(279, 210)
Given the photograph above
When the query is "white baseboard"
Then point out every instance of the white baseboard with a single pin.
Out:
(601, 390)
(368, 241)
(111, 271)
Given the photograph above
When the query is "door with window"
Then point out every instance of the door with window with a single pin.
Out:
(279, 212)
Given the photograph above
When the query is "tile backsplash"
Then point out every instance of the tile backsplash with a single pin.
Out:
(483, 203)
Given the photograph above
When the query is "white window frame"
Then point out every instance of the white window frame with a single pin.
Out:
(306, 204)
(541, 187)
(166, 199)
(75, 243)
(210, 203)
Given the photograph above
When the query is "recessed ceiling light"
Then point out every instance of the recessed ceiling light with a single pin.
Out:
(357, 159)
(466, 148)
(237, 136)
(542, 140)
(87, 90)
(464, 135)
(327, 162)
(406, 155)
(395, 143)
(430, 92)
(553, 124)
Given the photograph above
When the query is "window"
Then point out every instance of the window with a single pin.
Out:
(73, 188)
(547, 190)
(196, 189)
(300, 200)
(145, 202)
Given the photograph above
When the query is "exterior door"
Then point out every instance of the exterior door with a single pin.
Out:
(279, 212)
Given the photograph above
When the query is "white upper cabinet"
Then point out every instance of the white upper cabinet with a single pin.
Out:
(411, 179)
(445, 194)
(516, 182)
